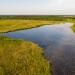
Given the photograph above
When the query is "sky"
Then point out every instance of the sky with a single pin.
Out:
(37, 7)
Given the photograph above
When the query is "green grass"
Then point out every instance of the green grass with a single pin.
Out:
(73, 27)
(8, 25)
(19, 57)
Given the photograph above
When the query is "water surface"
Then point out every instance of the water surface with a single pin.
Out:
(59, 43)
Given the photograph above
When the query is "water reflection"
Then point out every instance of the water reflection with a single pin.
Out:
(59, 44)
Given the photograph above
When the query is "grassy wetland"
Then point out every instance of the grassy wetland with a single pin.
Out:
(22, 57)
(73, 26)
(12, 25)
(19, 57)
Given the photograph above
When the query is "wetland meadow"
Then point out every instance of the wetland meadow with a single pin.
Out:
(37, 45)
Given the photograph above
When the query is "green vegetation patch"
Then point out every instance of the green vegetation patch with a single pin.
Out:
(73, 27)
(12, 25)
(18, 57)
(8, 25)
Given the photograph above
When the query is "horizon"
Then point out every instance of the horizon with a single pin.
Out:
(35, 15)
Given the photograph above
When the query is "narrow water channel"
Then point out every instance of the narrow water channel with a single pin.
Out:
(58, 40)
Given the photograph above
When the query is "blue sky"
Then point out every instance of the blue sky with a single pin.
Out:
(40, 7)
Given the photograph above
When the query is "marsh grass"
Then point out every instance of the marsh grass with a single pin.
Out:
(19, 57)
(8, 25)
(73, 27)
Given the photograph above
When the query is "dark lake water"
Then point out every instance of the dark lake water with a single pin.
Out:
(59, 43)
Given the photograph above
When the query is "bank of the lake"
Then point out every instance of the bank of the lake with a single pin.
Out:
(9, 25)
(73, 24)
(21, 57)
(73, 27)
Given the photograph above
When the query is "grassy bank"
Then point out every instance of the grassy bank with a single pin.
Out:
(73, 27)
(12, 25)
(18, 57)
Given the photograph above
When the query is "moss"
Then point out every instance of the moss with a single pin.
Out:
(19, 57)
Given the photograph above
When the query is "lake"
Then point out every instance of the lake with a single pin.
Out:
(58, 41)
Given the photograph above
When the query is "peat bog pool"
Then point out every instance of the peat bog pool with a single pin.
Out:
(58, 42)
